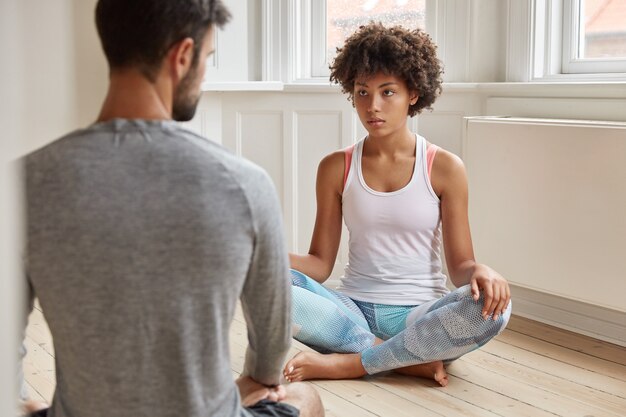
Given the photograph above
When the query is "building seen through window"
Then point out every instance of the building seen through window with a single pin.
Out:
(345, 16)
(604, 33)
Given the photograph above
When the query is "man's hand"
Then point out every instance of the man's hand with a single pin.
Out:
(252, 392)
(495, 288)
(31, 406)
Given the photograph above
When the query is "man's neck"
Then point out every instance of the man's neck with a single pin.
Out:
(132, 96)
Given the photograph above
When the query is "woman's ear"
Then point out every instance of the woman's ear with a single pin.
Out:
(413, 97)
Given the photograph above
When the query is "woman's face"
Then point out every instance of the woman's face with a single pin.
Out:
(382, 103)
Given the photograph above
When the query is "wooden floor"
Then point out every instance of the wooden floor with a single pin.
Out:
(529, 370)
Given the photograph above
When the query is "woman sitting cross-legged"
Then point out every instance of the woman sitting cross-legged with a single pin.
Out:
(401, 199)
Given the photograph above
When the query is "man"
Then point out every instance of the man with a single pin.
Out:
(142, 236)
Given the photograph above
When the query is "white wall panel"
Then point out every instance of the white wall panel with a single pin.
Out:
(208, 119)
(558, 108)
(444, 129)
(548, 205)
(318, 133)
(259, 138)
(310, 127)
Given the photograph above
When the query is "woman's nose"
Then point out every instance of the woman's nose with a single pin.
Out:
(374, 103)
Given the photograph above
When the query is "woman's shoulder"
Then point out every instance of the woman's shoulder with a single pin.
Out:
(445, 160)
(448, 169)
(333, 168)
(333, 160)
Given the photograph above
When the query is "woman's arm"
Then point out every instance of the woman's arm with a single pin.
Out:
(449, 181)
(318, 263)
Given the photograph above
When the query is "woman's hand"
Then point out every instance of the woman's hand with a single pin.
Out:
(495, 288)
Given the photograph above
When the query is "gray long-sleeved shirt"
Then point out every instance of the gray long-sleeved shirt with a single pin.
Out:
(142, 236)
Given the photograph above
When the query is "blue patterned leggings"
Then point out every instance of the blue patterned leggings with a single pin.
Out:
(439, 330)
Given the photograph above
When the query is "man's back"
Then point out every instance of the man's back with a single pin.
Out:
(141, 237)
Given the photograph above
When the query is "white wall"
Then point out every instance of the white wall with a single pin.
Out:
(89, 64)
(9, 294)
(547, 203)
(62, 69)
(53, 79)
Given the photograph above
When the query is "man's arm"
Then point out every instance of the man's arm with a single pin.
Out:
(266, 297)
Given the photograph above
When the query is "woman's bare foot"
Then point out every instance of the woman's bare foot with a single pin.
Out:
(313, 365)
(432, 370)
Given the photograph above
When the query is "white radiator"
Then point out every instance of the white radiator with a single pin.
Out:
(548, 211)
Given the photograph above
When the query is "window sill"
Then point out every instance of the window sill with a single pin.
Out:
(586, 89)
(219, 86)
(544, 88)
(307, 86)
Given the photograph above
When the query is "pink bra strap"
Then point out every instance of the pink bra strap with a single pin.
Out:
(348, 162)
(431, 150)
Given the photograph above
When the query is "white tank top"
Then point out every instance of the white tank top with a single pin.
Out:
(394, 254)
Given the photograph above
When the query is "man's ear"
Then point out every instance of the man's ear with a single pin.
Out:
(180, 58)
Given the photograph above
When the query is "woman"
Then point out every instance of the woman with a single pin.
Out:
(400, 197)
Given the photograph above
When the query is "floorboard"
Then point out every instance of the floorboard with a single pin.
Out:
(569, 340)
(530, 370)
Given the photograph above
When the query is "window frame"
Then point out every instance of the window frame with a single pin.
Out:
(228, 63)
(318, 36)
(539, 46)
(572, 36)
(293, 59)
(319, 31)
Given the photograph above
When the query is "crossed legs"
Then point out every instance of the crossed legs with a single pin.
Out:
(429, 335)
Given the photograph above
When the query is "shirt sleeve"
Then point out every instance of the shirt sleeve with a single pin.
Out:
(266, 296)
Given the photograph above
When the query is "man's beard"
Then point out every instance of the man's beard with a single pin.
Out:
(185, 99)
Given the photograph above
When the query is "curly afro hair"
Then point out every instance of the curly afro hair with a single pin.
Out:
(408, 54)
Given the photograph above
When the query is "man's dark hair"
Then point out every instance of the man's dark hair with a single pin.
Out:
(408, 54)
(138, 33)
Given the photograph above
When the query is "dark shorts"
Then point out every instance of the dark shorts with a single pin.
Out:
(266, 408)
(263, 408)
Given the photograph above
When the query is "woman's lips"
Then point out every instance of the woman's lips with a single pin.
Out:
(375, 122)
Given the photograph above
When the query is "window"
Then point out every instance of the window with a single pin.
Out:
(594, 36)
(338, 19)
(567, 40)
(318, 27)
(300, 37)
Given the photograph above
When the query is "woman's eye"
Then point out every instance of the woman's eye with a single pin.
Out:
(388, 93)
(362, 93)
